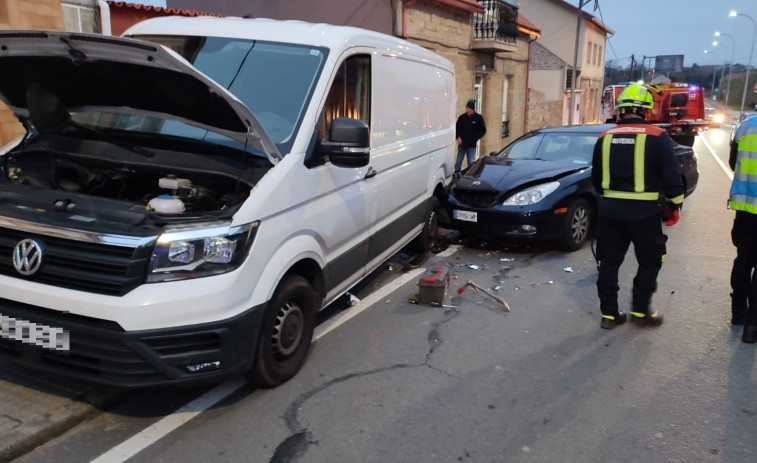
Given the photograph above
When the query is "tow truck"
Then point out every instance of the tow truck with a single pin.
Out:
(678, 108)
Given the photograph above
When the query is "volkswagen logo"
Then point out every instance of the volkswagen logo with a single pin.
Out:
(27, 257)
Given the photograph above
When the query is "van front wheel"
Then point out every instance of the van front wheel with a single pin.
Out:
(286, 332)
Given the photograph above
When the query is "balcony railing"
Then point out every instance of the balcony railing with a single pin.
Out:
(498, 22)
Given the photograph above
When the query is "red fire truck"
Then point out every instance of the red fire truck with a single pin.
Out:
(678, 108)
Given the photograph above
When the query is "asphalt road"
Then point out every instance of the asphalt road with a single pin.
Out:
(390, 381)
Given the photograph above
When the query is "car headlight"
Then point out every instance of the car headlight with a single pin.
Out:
(718, 118)
(199, 250)
(531, 195)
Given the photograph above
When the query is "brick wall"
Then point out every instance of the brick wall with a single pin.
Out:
(25, 14)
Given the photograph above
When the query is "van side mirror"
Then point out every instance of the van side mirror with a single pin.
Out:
(348, 144)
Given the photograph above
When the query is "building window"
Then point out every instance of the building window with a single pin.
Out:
(569, 78)
(600, 58)
(588, 54)
(594, 59)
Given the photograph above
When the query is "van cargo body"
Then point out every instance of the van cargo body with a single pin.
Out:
(187, 197)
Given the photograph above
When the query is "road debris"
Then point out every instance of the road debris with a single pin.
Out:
(353, 301)
(478, 288)
(568, 269)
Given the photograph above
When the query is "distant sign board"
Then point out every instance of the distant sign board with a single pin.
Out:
(668, 63)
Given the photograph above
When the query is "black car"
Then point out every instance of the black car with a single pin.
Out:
(538, 188)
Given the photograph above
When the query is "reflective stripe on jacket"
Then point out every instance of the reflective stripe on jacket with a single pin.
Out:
(636, 161)
(744, 186)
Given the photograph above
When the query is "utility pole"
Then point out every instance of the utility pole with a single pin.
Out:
(571, 101)
(632, 69)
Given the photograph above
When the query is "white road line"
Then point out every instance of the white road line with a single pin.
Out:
(371, 299)
(164, 426)
(160, 429)
(720, 162)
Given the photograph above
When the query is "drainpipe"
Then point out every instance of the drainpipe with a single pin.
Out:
(528, 89)
(105, 28)
(405, 5)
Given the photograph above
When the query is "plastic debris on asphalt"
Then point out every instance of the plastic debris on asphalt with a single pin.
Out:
(352, 299)
(542, 283)
(568, 269)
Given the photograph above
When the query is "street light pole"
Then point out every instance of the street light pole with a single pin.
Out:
(714, 71)
(730, 67)
(751, 52)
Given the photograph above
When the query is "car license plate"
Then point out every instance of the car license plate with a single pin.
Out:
(467, 216)
(49, 337)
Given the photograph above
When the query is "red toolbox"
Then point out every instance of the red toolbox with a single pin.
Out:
(433, 286)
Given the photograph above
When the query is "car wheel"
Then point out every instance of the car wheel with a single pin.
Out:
(286, 332)
(427, 239)
(577, 225)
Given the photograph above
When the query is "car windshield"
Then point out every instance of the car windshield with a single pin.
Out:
(574, 148)
(274, 80)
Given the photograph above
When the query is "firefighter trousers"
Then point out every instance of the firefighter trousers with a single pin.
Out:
(743, 275)
(613, 240)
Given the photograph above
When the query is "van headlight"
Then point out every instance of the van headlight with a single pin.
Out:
(531, 195)
(199, 250)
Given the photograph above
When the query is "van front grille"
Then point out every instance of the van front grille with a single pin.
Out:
(84, 266)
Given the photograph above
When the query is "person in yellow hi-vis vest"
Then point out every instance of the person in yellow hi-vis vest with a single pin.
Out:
(635, 170)
(743, 199)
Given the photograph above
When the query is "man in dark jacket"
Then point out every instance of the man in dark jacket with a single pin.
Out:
(633, 164)
(469, 129)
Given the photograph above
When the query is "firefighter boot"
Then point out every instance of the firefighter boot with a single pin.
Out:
(609, 322)
(750, 334)
(649, 318)
(738, 310)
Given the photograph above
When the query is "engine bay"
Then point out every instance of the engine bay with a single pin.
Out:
(150, 187)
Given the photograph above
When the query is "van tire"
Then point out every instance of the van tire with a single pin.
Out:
(286, 332)
(427, 239)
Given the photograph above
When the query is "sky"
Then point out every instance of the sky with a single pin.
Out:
(676, 27)
(666, 27)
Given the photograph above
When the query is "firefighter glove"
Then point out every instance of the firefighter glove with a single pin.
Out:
(670, 214)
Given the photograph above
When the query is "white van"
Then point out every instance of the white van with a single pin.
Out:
(178, 213)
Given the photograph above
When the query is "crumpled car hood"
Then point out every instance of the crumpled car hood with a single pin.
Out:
(504, 176)
(47, 74)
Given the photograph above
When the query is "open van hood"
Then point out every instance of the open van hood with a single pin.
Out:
(45, 75)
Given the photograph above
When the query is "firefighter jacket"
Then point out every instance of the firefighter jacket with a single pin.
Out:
(635, 170)
(743, 195)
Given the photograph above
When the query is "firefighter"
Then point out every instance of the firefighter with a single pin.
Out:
(743, 199)
(635, 170)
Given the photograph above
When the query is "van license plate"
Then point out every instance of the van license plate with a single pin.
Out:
(467, 216)
(17, 329)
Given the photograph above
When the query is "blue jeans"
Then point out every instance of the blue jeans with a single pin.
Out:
(470, 153)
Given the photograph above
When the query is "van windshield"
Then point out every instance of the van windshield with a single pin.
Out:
(274, 80)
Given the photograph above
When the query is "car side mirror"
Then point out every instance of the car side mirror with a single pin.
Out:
(348, 144)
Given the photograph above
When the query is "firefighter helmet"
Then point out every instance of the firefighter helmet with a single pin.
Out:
(635, 96)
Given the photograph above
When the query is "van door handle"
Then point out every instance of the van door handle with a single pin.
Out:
(371, 173)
